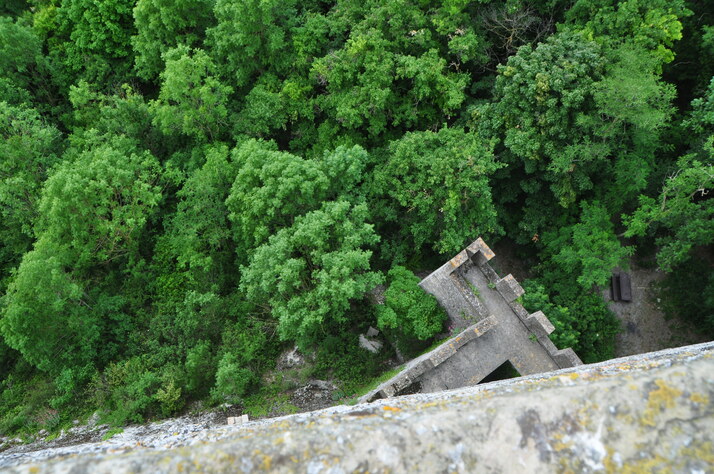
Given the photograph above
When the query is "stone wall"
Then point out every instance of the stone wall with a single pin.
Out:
(636, 414)
(498, 329)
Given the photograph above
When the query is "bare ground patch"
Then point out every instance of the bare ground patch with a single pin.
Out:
(645, 327)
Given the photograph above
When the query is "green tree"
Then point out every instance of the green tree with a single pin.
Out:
(587, 250)
(433, 189)
(273, 188)
(46, 316)
(573, 127)
(683, 212)
(407, 309)
(654, 25)
(162, 25)
(20, 61)
(252, 37)
(121, 112)
(13, 7)
(66, 305)
(98, 204)
(29, 147)
(192, 100)
(307, 274)
(90, 40)
(363, 80)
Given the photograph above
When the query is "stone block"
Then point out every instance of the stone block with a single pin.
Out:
(387, 391)
(422, 366)
(520, 311)
(482, 253)
(460, 258)
(567, 358)
(539, 324)
(482, 327)
(490, 273)
(403, 382)
(237, 420)
(509, 288)
(371, 345)
(548, 345)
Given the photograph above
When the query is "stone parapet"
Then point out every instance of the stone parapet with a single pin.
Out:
(635, 414)
(415, 369)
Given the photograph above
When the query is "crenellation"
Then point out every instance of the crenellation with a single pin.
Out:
(509, 288)
(539, 324)
(567, 358)
(469, 289)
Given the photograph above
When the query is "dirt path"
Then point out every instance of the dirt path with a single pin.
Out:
(644, 326)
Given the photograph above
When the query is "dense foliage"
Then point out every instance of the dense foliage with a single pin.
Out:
(189, 187)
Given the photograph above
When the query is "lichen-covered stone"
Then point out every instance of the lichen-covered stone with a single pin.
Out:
(633, 414)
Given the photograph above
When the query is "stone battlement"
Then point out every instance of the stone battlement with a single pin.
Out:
(496, 329)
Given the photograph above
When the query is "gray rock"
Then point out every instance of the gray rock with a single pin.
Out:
(371, 345)
(290, 359)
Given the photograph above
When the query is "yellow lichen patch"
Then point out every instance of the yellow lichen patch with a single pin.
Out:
(428, 405)
(388, 408)
(703, 452)
(655, 463)
(574, 375)
(659, 399)
(267, 461)
(699, 398)
(609, 461)
(560, 446)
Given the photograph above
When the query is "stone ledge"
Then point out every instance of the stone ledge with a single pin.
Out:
(627, 414)
(426, 362)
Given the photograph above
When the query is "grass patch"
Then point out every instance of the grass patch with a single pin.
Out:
(371, 385)
(111, 433)
(269, 401)
(473, 288)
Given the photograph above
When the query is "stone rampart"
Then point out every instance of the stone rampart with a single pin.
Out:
(646, 413)
(498, 329)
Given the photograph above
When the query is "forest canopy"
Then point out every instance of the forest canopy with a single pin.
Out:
(189, 187)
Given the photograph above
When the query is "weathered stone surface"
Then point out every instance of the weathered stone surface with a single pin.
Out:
(509, 288)
(414, 371)
(635, 414)
(469, 289)
(566, 358)
(539, 324)
(371, 345)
